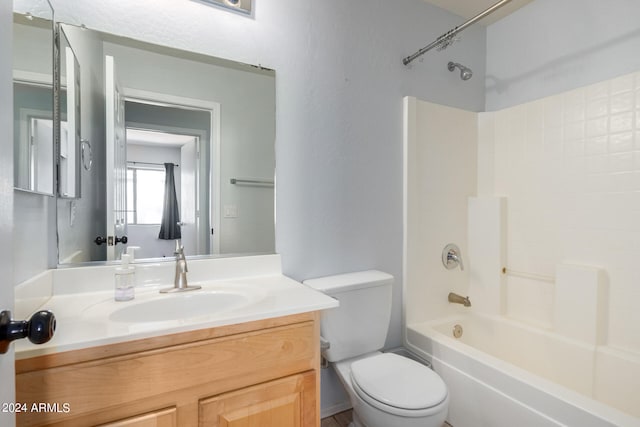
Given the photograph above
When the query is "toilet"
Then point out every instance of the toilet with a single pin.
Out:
(386, 389)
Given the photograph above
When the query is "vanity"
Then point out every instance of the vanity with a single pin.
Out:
(254, 361)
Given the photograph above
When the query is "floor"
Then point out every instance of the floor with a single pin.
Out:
(344, 418)
(341, 419)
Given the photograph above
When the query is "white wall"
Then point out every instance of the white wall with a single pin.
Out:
(569, 166)
(551, 46)
(338, 106)
(34, 228)
(32, 49)
(440, 153)
(577, 152)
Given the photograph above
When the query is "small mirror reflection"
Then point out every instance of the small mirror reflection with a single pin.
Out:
(33, 104)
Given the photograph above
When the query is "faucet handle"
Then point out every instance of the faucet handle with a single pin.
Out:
(459, 259)
(451, 257)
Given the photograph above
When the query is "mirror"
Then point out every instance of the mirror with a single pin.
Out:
(182, 146)
(68, 131)
(33, 98)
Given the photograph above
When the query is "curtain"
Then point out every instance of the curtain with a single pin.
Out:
(169, 228)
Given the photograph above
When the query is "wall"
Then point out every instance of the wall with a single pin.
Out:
(338, 106)
(548, 47)
(569, 166)
(440, 155)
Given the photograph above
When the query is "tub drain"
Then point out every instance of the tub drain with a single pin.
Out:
(457, 331)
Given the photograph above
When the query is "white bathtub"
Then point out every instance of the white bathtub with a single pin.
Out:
(501, 373)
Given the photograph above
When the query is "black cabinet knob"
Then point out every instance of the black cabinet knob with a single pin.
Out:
(122, 240)
(38, 329)
(100, 240)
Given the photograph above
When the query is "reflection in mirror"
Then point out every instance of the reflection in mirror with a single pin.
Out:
(69, 129)
(193, 128)
(179, 136)
(33, 103)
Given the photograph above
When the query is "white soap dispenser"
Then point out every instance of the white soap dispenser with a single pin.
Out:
(125, 280)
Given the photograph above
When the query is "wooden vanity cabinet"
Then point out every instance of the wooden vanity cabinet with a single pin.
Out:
(255, 374)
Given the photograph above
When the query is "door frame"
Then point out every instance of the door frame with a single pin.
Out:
(7, 361)
(163, 99)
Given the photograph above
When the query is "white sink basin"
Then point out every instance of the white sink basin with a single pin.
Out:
(179, 306)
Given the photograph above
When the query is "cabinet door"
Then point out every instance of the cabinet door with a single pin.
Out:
(287, 402)
(162, 418)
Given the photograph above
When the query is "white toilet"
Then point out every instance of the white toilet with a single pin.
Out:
(386, 389)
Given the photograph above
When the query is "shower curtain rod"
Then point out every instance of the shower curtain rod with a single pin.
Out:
(150, 163)
(446, 39)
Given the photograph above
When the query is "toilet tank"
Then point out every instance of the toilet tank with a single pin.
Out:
(360, 324)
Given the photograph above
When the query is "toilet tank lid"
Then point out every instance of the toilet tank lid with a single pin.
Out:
(349, 281)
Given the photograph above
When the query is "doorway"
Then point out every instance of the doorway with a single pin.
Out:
(189, 130)
(147, 153)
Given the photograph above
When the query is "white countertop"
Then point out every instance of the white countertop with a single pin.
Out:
(86, 319)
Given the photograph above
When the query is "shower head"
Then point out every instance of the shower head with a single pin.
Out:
(465, 73)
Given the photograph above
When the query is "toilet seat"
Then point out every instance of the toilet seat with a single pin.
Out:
(398, 385)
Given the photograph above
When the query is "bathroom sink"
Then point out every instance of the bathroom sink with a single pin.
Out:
(180, 306)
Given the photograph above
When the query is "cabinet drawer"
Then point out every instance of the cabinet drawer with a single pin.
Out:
(164, 418)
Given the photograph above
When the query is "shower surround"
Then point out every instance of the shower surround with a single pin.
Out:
(541, 198)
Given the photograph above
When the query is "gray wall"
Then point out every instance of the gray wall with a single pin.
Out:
(551, 46)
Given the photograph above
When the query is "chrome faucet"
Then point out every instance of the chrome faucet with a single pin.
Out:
(451, 257)
(180, 280)
(459, 299)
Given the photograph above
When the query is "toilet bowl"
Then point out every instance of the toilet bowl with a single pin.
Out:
(385, 389)
(389, 390)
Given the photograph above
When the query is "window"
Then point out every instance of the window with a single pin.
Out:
(145, 195)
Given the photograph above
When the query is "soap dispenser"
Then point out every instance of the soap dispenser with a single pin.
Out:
(125, 280)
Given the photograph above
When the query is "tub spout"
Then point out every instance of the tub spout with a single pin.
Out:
(458, 299)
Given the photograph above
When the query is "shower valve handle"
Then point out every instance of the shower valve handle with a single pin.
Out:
(451, 257)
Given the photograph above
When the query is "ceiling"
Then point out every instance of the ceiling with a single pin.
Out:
(470, 8)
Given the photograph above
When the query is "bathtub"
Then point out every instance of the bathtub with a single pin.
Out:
(502, 373)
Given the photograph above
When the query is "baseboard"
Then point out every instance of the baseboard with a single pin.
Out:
(334, 409)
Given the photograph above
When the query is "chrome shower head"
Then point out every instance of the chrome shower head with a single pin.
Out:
(465, 73)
